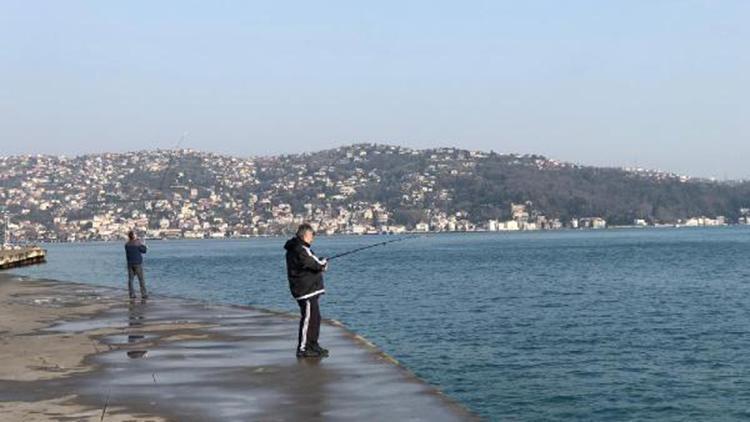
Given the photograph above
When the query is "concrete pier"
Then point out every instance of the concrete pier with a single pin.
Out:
(19, 256)
(76, 352)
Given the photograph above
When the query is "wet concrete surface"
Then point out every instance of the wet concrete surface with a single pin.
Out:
(190, 361)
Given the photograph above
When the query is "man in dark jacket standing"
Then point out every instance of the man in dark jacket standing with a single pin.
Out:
(305, 273)
(134, 251)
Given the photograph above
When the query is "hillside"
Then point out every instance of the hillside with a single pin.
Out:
(96, 196)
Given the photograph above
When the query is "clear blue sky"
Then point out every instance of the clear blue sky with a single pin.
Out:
(660, 84)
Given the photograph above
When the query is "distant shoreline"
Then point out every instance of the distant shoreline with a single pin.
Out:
(413, 233)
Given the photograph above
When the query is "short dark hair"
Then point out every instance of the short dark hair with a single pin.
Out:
(304, 228)
(131, 235)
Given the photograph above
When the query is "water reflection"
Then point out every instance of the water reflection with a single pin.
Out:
(136, 317)
(136, 354)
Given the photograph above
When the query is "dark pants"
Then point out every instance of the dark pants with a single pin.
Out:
(309, 323)
(136, 270)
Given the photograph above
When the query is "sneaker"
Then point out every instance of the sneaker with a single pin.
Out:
(319, 349)
(309, 353)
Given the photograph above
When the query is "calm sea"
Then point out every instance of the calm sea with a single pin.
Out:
(571, 325)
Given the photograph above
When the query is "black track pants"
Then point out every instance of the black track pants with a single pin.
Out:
(309, 323)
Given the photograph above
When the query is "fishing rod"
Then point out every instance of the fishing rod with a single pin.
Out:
(171, 161)
(362, 248)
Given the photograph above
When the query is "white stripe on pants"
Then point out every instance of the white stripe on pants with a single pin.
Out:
(305, 325)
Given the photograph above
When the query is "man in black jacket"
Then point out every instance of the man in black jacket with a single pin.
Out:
(305, 273)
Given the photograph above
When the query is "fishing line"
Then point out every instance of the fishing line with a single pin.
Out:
(362, 248)
(171, 160)
(160, 191)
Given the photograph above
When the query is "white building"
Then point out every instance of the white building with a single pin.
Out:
(422, 227)
(510, 225)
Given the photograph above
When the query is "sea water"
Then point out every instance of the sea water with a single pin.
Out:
(571, 325)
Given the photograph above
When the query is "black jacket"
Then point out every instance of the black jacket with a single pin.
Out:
(304, 269)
